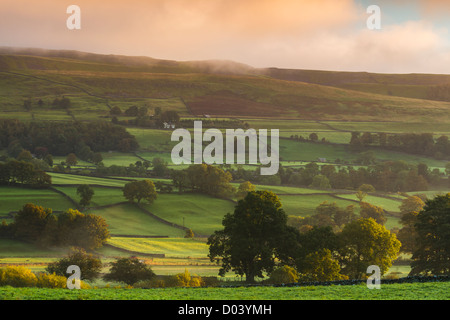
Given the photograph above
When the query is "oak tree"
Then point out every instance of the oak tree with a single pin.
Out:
(138, 190)
(432, 251)
(254, 237)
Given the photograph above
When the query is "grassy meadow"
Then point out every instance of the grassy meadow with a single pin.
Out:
(419, 291)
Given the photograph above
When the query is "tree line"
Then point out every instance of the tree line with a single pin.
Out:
(257, 240)
(412, 143)
(22, 172)
(203, 178)
(331, 215)
(390, 176)
(81, 138)
(41, 226)
(142, 118)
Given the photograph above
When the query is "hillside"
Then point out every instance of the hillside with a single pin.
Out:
(402, 85)
(216, 88)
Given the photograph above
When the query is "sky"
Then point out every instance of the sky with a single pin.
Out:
(299, 34)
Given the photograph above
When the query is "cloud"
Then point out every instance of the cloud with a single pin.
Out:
(436, 9)
(411, 47)
(414, 46)
(268, 17)
(428, 8)
(319, 34)
(172, 29)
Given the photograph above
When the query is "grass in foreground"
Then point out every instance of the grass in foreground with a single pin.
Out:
(415, 291)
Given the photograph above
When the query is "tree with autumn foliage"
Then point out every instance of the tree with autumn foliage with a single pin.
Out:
(365, 242)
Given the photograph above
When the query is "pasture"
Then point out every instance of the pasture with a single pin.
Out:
(128, 219)
(13, 199)
(171, 247)
(305, 205)
(408, 291)
(203, 214)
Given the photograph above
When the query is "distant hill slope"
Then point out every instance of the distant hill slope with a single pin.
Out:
(402, 85)
(17, 58)
(220, 88)
(337, 78)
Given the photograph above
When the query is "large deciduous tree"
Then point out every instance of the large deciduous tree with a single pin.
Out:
(370, 211)
(86, 193)
(208, 179)
(365, 242)
(30, 222)
(432, 245)
(86, 231)
(254, 237)
(138, 190)
(71, 159)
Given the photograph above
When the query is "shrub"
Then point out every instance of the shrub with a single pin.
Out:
(284, 274)
(129, 270)
(45, 280)
(367, 188)
(184, 280)
(17, 276)
(189, 234)
(89, 265)
(195, 282)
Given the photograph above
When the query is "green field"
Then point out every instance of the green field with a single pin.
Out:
(14, 248)
(154, 140)
(171, 247)
(119, 159)
(156, 143)
(203, 214)
(416, 291)
(305, 205)
(385, 203)
(13, 199)
(305, 151)
(102, 195)
(72, 179)
(127, 219)
(289, 190)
